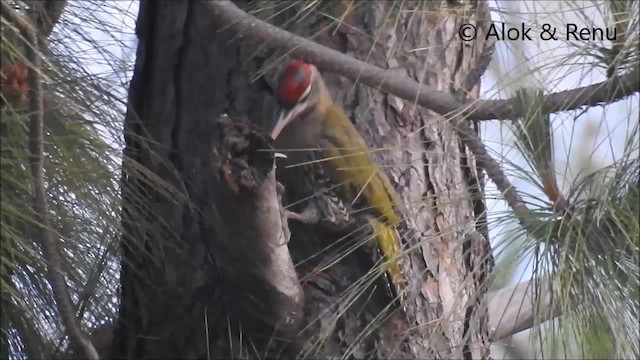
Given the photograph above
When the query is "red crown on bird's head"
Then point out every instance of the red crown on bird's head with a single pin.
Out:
(294, 80)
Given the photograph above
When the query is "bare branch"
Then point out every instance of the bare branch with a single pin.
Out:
(229, 15)
(518, 308)
(56, 279)
(250, 228)
(509, 310)
(606, 92)
(496, 174)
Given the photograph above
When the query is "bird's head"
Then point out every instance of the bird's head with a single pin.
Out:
(300, 89)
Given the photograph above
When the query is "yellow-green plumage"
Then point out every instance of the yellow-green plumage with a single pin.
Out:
(341, 159)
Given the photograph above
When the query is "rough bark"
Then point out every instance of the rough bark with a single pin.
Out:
(188, 72)
(186, 289)
(429, 166)
(170, 286)
(252, 238)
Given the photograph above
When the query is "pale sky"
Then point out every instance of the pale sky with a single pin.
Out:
(597, 137)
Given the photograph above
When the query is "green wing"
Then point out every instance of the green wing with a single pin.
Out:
(346, 160)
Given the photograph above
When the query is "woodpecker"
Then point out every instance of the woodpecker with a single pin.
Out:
(328, 167)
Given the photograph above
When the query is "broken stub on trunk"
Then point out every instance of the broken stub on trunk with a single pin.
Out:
(261, 284)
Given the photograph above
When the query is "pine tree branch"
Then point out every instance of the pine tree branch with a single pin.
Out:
(518, 308)
(79, 340)
(497, 175)
(509, 310)
(230, 16)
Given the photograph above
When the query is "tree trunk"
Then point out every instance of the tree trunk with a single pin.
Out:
(175, 302)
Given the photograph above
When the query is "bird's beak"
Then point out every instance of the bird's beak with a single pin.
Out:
(283, 119)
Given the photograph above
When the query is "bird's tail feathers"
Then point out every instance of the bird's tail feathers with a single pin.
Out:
(389, 246)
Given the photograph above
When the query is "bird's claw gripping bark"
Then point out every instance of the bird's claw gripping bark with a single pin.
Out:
(286, 234)
(309, 217)
(279, 189)
(283, 215)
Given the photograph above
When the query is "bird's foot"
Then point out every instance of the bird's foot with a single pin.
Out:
(310, 215)
(286, 234)
(307, 216)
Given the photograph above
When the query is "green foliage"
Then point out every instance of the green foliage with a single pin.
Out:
(81, 176)
(589, 245)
